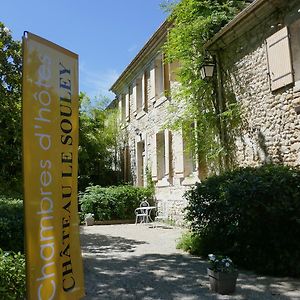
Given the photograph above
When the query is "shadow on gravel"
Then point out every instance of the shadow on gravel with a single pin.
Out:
(111, 274)
(151, 276)
(104, 244)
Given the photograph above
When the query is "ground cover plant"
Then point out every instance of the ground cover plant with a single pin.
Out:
(251, 215)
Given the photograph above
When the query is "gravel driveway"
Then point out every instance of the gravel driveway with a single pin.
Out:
(140, 262)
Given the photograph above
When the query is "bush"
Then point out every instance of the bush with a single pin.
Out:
(11, 224)
(190, 242)
(251, 215)
(113, 203)
(12, 275)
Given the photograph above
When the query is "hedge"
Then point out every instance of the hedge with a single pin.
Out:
(115, 202)
(11, 224)
(251, 215)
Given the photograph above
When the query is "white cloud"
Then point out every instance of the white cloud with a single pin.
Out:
(96, 83)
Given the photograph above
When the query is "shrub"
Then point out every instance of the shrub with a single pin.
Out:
(251, 215)
(12, 275)
(113, 203)
(190, 242)
(11, 224)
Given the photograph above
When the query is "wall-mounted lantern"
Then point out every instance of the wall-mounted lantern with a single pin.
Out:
(207, 70)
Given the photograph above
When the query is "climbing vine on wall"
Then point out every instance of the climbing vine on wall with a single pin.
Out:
(194, 23)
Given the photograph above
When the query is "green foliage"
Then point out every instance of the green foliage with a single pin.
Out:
(97, 143)
(251, 215)
(190, 242)
(11, 224)
(115, 202)
(10, 110)
(221, 263)
(194, 23)
(12, 275)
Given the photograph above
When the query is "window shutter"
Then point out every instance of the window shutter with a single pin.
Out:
(174, 69)
(166, 79)
(279, 59)
(152, 82)
(127, 105)
(154, 157)
(134, 98)
(120, 108)
(166, 73)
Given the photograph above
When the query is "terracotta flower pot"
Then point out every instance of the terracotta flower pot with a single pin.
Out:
(222, 283)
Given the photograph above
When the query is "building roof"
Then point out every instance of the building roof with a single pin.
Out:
(150, 48)
(256, 10)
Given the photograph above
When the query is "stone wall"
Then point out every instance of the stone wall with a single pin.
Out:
(270, 127)
(269, 130)
(168, 191)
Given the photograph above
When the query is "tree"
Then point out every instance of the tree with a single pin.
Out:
(97, 143)
(194, 22)
(10, 110)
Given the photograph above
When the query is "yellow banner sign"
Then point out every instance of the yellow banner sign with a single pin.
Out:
(50, 143)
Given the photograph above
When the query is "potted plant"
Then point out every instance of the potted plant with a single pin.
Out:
(89, 219)
(222, 274)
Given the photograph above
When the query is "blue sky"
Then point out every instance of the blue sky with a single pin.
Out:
(106, 34)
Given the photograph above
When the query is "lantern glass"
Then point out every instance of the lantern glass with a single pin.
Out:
(207, 70)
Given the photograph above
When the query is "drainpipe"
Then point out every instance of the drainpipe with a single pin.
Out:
(221, 107)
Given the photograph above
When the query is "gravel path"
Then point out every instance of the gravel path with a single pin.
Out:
(139, 262)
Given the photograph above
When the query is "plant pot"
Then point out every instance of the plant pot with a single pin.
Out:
(89, 221)
(222, 283)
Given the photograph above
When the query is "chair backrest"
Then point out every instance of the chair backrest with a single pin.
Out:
(144, 203)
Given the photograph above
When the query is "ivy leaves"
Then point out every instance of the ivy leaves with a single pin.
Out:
(194, 23)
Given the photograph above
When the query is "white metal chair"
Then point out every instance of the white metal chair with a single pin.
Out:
(142, 213)
(161, 214)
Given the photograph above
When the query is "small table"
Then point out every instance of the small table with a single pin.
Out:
(145, 213)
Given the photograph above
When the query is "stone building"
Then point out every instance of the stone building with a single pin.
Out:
(258, 53)
(150, 151)
(257, 57)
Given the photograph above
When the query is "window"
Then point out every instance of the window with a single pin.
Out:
(174, 70)
(126, 162)
(159, 77)
(163, 155)
(190, 160)
(128, 102)
(140, 149)
(162, 77)
(294, 30)
(279, 59)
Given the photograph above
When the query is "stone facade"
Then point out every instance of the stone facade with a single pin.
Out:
(270, 126)
(153, 152)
